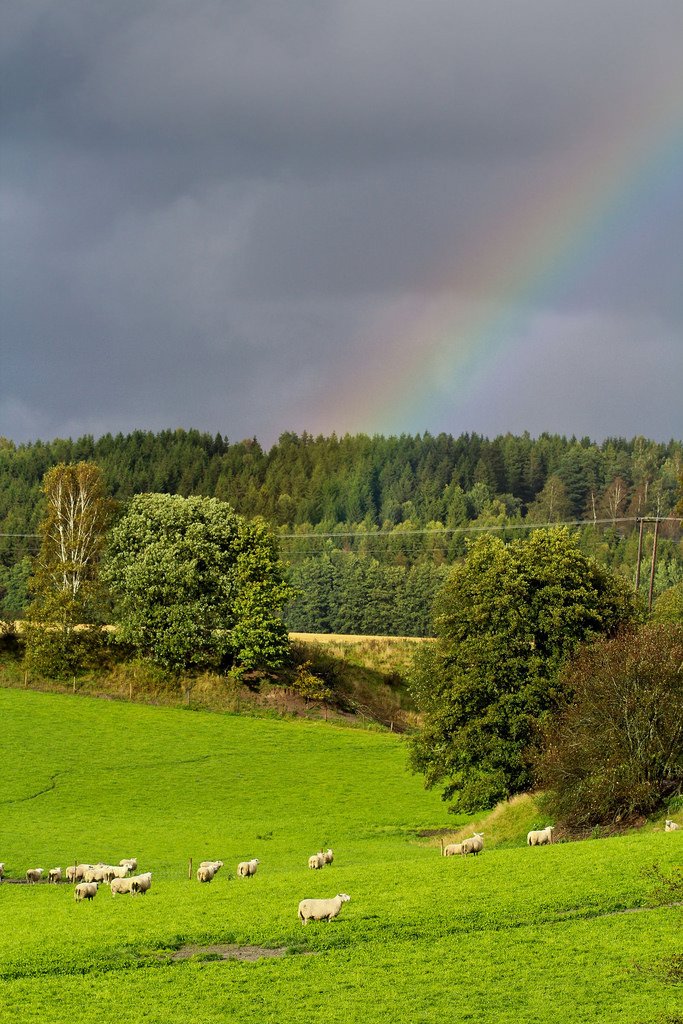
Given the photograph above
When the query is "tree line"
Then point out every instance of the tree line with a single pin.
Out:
(379, 489)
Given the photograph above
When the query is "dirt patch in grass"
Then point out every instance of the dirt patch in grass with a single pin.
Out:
(226, 951)
(24, 881)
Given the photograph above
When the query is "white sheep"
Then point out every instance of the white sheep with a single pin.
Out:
(316, 861)
(120, 886)
(540, 837)
(115, 871)
(54, 875)
(34, 875)
(80, 870)
(321, 910)
(452, 849)
(2, 870)
(475, 844)
(85, 891)
(205, 873)
(215, 865)
(328, 856)
(141, 883)
(95, 873)
(671, 826)
(129, 862)
(247, 868)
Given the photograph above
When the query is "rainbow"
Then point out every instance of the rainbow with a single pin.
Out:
(433, 348)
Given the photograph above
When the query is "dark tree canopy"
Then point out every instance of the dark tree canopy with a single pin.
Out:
(616, 750)
(507, 619)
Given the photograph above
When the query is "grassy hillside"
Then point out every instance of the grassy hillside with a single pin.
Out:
(498, 938)
(366, 678)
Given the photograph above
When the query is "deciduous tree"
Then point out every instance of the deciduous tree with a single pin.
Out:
(507, 619)
(616, 750)
(196, 584)
(65, 583)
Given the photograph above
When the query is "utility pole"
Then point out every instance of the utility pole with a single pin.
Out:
(640, 551)
(652, 566)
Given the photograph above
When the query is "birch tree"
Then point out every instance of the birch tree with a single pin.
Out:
(65, 582)
(73, 530)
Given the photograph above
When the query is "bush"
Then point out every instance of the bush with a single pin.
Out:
(616, 750)
(57, 654)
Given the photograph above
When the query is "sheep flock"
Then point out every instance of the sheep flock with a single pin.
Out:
(88, 877)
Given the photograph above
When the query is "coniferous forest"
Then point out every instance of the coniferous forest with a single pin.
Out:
(370, 525)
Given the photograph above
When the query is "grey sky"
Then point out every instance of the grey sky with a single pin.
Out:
(210, 207)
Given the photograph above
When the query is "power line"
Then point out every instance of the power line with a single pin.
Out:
(476, 529)
(366, 535)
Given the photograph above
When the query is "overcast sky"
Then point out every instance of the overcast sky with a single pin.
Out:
(252, 216)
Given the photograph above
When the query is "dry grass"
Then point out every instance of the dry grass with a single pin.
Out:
(506, 825)
(354, 638)
(391, 656)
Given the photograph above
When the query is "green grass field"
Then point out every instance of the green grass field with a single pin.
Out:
(516, 934)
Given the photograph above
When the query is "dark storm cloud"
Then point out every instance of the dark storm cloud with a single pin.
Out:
(205, 204)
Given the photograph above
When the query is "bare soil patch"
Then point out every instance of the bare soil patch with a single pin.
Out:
(24, 881)
(227, 951)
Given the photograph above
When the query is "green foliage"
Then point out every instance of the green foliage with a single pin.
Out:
(196, 584)
(616, 751)
(341, 592)
(508, 617)
(14, 583)
(491, 936)
(308, 685)
(669, 605)
(54, 653)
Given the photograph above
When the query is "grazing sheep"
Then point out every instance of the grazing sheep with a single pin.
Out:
(129, 862)
(205, 873)
(475, 844)
(118, 871)
(71, 873)
(2, 871)
(328, 856)
(80, 870)
(85, 891)
(120, 885)
(247, 868)
(54, 875)
(105, 872)
(215, 865)
(34, 875)
(540, 837)
(321, 910)
(452, 849)
(141, 883)
(95, 873)
(671, 826)
(316, 861)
